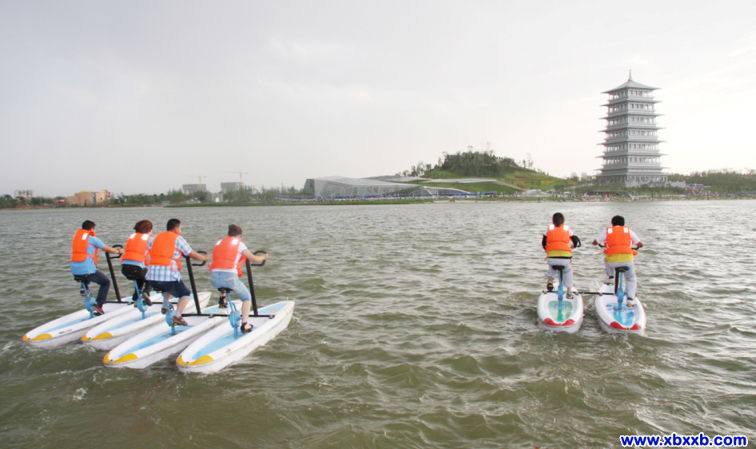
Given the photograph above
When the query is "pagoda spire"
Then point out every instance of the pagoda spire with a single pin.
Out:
(630, 78)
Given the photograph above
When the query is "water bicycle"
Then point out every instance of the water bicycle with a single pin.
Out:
(226, 344)
(557, 312)
(147, 313)
(612, 309)
(73, 326)
(164, 338)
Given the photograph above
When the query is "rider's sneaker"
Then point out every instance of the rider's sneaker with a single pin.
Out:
(164, 310)
(97, 310)
(609, 280)
(550, 284)
(146, 299)
(569, 295)
(222, 302)
(179, 321)
(630, 302)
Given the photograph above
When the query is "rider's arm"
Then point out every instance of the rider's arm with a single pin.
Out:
(111, 250)
(183, 247)
(543, 242)
(254, 259)
(197, 256)
(97, 243)
(600, 239)
(636, 240)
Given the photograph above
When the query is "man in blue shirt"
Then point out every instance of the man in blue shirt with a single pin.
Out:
(84, 261)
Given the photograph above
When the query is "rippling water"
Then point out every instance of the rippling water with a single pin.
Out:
(415, 326)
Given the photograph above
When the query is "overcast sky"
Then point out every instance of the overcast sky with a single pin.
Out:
(136, 96)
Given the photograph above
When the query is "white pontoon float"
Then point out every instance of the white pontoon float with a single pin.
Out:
(225, 344)
(613, 311)
(558, 313)
(73, 326)
(163, 339)
(113, 332)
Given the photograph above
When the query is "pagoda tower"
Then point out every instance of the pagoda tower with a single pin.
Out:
(631, 143)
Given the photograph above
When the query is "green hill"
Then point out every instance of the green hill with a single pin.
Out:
(515, 176)
(485, 164)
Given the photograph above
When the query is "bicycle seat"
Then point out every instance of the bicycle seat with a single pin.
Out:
(558, 267)
(80, 277)
(622, 269)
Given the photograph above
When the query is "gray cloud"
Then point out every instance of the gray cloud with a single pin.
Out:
(145, 93)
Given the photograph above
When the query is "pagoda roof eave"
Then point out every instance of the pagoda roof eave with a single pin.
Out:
(630, 84)
(633, 113)
(631, 141)
(625, 153)
(628, 100)
(627, 126)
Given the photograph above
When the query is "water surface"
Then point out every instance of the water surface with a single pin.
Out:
(415, 326)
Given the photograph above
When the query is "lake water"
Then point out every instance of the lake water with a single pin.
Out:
(415, 326)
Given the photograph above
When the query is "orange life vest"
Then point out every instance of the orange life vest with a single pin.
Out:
(558, 238)
(619, 241)
(224, 255)
(136, 247)
(238, 267)
(80, 244)
(163, 250)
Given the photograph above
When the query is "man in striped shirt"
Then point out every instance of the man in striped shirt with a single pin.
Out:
(164, 272)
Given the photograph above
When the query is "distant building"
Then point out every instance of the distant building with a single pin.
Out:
(631, 142)
(89, 198)
(24, 193)
(190, 189)
(341, 186)
(230, 186)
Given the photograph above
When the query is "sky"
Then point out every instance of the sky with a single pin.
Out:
(144, 96)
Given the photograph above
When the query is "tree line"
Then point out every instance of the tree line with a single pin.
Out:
(7, 201)
(173, 196)
(722, 180)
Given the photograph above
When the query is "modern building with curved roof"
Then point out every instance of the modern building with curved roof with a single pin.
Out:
(342, 186)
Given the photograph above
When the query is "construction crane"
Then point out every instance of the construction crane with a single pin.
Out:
(241, 173)
(199, 176)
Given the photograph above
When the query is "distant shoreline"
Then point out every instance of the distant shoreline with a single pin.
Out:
(400, 201)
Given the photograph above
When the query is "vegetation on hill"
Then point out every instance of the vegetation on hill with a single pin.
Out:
(485, 164)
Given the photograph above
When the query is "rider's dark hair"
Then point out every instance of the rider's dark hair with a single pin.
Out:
(173, 223)
(143, 226)
(557, 219)
(618, 220)
(88, 225)
(234, 230)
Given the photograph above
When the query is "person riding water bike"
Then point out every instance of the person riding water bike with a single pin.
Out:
(558, 241)
(619, 241)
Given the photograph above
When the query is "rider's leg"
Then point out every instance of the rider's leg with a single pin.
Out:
(631, 280)
(99, 278)
(551, 274)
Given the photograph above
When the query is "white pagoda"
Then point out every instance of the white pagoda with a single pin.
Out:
(631, 143)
